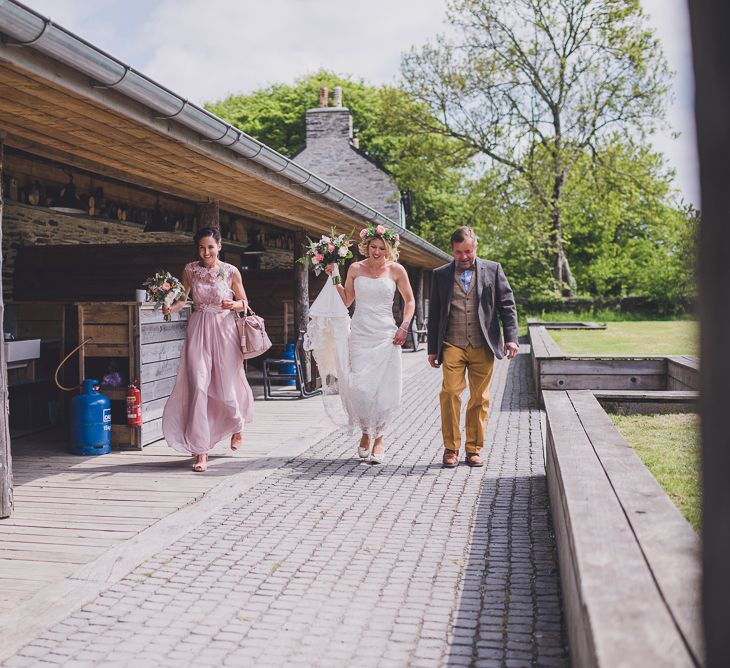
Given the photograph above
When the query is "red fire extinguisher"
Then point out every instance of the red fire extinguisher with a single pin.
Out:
(134, 406)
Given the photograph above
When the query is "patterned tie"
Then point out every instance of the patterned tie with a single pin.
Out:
(466, 278)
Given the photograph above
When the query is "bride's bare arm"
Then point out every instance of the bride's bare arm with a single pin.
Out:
(409, 308)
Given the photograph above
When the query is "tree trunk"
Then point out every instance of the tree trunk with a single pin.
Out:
(6, 464)
(207, 215)
(561, 267)
(301, 294)
(711, 52)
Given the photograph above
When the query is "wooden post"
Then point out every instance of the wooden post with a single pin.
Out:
(6, 464)
(418, 294)
(301, 293)
(711, 55)
(207, 214)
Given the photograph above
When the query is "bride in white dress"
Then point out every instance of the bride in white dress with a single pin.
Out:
(375, 341)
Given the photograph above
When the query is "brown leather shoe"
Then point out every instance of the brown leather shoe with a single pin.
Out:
(474, 459)
(451, 459)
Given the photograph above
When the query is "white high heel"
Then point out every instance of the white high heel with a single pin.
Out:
(379, 458)
(364, 453)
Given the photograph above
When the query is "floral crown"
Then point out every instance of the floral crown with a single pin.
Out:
(380, 232)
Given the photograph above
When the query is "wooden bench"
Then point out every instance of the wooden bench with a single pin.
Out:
(629, 561)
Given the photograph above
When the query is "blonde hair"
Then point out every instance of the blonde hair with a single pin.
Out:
(390, 252)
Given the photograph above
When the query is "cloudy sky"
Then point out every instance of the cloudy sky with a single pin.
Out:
(206, 49)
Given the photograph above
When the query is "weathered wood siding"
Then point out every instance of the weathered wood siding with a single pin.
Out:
(683, 373)
(159, 347)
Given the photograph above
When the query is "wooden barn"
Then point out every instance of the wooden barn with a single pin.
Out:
(105, 177)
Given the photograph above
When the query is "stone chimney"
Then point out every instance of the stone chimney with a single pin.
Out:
(332, 153)
(329, 123)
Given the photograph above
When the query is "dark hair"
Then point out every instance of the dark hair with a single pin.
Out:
(463, 233)
(207, 232)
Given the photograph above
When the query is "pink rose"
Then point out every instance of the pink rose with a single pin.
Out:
(165, 286)
(363, 233)
(331, 248)
(380, 229)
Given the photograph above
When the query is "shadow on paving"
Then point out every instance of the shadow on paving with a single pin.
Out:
(311, 468)
(509, 612)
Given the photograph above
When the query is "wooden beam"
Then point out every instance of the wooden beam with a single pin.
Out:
(418, 294)
(301, 283)
(6, 470)
(711, 55)
(301, 295)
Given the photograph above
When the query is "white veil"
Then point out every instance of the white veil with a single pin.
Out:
(327, 337)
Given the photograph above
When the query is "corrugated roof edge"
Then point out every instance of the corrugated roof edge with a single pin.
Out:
(26, 27)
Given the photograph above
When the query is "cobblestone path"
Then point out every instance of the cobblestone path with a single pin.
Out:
(333, 562)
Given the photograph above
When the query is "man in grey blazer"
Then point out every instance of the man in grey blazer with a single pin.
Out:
(470, 298)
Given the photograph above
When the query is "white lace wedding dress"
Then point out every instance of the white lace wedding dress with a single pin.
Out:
(359, 365)
(375, 362)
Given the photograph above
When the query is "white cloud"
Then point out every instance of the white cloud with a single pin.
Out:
(671, 22)
(205, 51)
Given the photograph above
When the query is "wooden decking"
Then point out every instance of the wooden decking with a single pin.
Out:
(70, 510)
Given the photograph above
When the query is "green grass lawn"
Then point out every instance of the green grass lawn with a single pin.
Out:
(669, 447)
(654, 337)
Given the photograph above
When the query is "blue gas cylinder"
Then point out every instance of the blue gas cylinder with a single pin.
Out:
(91, 421)
(291, 369)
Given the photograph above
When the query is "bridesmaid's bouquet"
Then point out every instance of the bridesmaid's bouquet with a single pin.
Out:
(164, 289)
(332, 249)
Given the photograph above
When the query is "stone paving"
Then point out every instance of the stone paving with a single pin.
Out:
(333, 562)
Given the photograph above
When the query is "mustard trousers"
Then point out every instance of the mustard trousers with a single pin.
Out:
(480, 363)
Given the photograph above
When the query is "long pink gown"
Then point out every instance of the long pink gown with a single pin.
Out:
(211, 398)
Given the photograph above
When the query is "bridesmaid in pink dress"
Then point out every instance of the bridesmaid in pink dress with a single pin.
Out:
(211, 398)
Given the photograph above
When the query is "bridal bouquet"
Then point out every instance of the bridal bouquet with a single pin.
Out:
(164, 288)
(332, 249)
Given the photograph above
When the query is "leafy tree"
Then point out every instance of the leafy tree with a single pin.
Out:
(427, 167)
(531, 85)
(625, 234)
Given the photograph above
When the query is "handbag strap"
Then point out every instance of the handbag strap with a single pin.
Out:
(246, 312)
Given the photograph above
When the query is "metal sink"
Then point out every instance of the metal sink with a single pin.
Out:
(22, 351)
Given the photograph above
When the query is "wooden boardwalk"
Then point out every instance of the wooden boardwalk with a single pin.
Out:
(70, 510)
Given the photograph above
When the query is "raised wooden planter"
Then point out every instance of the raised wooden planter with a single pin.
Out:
(629, 561)
(554, 370)
(627, 402)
